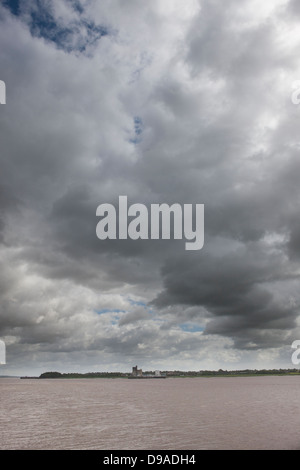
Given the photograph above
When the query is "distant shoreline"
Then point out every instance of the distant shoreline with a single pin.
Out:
(169, 374)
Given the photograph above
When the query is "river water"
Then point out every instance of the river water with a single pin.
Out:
(165, 414)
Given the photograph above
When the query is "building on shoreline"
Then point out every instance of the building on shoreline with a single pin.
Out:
(138, 374)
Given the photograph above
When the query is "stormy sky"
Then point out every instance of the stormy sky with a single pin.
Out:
(164, 102)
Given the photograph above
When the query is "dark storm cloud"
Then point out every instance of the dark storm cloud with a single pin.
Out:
(294, 241)
(8, 203)
(97, 108)
(239, 290)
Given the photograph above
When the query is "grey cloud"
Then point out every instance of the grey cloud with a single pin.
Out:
(207, 118)
(134, 316)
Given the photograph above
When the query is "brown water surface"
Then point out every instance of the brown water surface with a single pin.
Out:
(172, 414)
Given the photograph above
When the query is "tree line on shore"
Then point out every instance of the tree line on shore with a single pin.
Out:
(173, 373)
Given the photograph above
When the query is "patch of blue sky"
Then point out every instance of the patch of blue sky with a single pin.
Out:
(138, 125)
(77, 37)
(190, 327)
(137, 302)
(76, 5)
(13, 6)
(141, 303)
(138, 130)
(108, 310)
